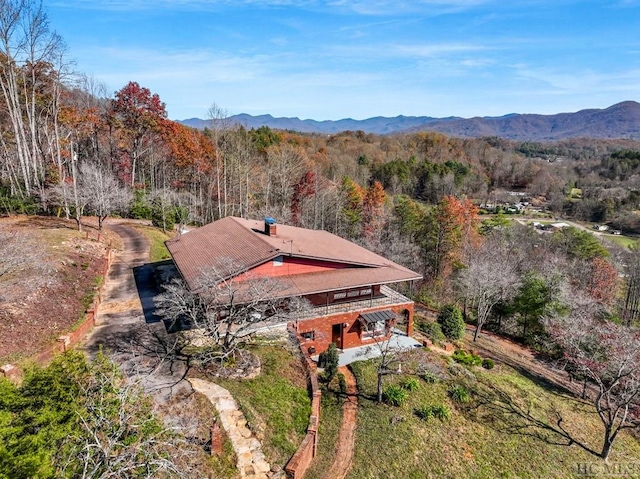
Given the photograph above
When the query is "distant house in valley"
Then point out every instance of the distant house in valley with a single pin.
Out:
(346, 285)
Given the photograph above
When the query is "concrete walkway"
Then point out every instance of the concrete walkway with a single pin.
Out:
(397, 342)
(251, 461)
(347, 435)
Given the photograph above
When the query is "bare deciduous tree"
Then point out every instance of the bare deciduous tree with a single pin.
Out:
(488, 279)
(607, 355)
(103, 193)
(119, 436)
(229, 309)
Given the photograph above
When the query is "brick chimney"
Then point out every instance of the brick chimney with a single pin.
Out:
(269, 226)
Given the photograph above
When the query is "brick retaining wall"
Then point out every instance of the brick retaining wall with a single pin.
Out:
(299, 463)
(70, 340)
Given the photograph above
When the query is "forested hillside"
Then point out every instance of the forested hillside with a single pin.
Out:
(69, 148)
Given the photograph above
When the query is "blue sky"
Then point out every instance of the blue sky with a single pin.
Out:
(333, 59)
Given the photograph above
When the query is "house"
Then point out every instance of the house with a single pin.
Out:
(345, 284)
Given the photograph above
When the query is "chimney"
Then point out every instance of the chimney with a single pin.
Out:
(269, 226)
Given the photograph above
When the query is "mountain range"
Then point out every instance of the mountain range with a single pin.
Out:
(621, 120)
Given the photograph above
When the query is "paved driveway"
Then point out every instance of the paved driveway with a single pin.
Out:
(127, 328)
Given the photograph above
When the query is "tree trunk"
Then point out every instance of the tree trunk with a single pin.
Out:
(608, 443)
(477, 332)
(379, 387)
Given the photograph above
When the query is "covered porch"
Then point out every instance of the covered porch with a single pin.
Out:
(397, 342)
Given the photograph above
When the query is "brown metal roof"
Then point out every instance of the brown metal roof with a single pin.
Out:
(242, 244)
(375, 316)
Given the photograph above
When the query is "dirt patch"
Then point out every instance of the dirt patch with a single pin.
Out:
(347, 435)
(48, 293)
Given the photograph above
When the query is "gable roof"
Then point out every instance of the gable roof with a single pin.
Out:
(233, 246)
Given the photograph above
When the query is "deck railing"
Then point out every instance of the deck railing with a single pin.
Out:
(389, 298)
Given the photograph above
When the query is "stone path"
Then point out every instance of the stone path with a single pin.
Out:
(251, 461)
(347, 435)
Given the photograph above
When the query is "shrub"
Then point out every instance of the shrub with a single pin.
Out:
(394, 395)
(410, 384)
(342, 383)
(424, 412)
(429, 377)
(469, 359)
(459, 394)
(451, 322)
(432, 330)
(328, 360)
(441, 411)
(488, 363)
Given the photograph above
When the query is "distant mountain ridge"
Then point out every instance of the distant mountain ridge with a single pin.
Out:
(621, 120)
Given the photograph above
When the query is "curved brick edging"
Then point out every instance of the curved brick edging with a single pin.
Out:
(250, 459)
(345, 445)
(300, 461)
(69, 340)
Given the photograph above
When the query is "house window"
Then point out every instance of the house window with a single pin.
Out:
(339, 295)
(308, 335)
(279, 261)
(364, 292)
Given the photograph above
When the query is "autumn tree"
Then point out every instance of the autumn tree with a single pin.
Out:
(135, 113)
(602, 283)
(450, 229)
(373, 210)
(303, 190)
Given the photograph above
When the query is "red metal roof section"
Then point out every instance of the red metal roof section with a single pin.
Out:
(243, 244)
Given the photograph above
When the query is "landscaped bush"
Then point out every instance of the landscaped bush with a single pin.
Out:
(437, 411)
(469, 359)
(394, 395)
(459, 394)
(441, 411)
(410, 384)
(451, 322)
(429, 377)
(433, 331)
(328, 360)
(488, 363)
(424, 412)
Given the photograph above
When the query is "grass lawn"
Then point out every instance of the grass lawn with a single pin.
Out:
(157, 250)
(623, 241)
(478, 441)
(276, 403)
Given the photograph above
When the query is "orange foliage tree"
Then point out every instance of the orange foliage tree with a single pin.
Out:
(449, 235)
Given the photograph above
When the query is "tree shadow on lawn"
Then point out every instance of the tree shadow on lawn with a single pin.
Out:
(508, 414)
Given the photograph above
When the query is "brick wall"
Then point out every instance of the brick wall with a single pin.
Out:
(348, 332)
(300, 461)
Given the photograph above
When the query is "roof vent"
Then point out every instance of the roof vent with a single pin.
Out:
(269, 226)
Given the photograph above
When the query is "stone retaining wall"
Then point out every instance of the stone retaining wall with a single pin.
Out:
(299, 463)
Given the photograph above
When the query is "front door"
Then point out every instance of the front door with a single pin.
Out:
(336, 335)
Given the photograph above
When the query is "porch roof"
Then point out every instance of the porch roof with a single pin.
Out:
(375, 316)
